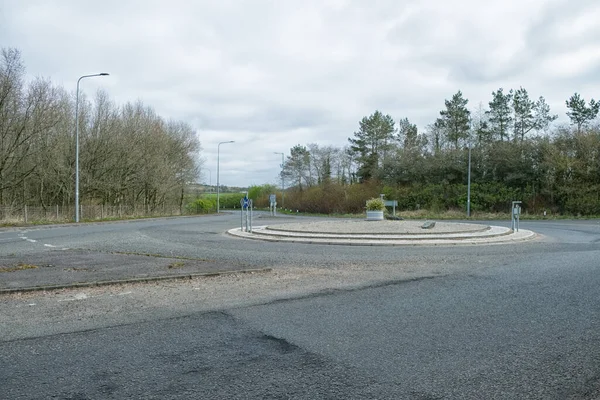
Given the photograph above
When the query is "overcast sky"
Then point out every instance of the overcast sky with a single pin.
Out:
(272, 74)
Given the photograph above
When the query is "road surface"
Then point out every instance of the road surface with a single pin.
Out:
(497, 322)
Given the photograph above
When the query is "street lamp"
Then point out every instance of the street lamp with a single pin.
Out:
(77, 142)
(469, 175)
(218, 188)
(282, 186)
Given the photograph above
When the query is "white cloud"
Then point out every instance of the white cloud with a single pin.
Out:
(272, 74)
(573, 63)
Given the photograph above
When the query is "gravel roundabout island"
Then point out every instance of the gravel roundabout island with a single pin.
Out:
(357, 226)
(389, 233)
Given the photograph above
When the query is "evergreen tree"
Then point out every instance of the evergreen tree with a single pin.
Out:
(500, 114)
(407, 133)
(523, 113)
(455, 119)
(297, 166)
(371, 142)
(579, 113)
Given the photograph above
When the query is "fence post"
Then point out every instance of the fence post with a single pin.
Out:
(102, 211)
(57, 212)
(25, 213)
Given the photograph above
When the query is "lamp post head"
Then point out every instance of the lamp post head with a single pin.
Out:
(103, 74)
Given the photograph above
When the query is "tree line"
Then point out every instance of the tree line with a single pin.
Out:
(517, 150)
(129, 155)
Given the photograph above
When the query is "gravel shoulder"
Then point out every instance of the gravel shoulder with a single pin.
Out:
(33, 314)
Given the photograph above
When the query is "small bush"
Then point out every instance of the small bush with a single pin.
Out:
(375, 204)
(202, 206)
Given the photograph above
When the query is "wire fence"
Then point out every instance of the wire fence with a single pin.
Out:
(36, 214)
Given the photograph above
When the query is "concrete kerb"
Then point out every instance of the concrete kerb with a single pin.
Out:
(495, 235)
(130, 280)
(487, 233)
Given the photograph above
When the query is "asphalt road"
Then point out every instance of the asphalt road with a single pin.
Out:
(450, 322)
(203, 238)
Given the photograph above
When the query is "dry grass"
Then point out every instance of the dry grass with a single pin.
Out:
(18, 267)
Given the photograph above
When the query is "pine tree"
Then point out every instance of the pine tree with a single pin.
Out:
(579, 113)
(370, 143)
(500, 114)
(297, 165)
(523, 113)
(455, 119)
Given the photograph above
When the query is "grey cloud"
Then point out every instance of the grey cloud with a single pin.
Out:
(273, 74)
(542, 37)
(267, 119)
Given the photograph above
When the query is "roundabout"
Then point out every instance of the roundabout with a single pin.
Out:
(385, 233)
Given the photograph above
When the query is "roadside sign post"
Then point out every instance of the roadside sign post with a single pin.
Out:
(249, 215)
(273, 204)
(246, 211)
(515, 213)
(393, 204)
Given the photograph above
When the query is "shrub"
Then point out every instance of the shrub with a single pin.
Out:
(201, 206)
(230, 200)
(375, 204)
(260, 195)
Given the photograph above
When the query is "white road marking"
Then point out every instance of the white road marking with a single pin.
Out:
(124, 293)
(35, 241)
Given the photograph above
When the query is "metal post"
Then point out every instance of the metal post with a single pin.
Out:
(218, 188)
(77, 142)
(250, 207)
(514, 212)
(469, 175)
(469, 183)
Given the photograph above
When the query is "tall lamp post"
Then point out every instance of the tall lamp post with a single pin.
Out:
(77, 142)
(218, 188)
(469, 175)
(282, 185)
